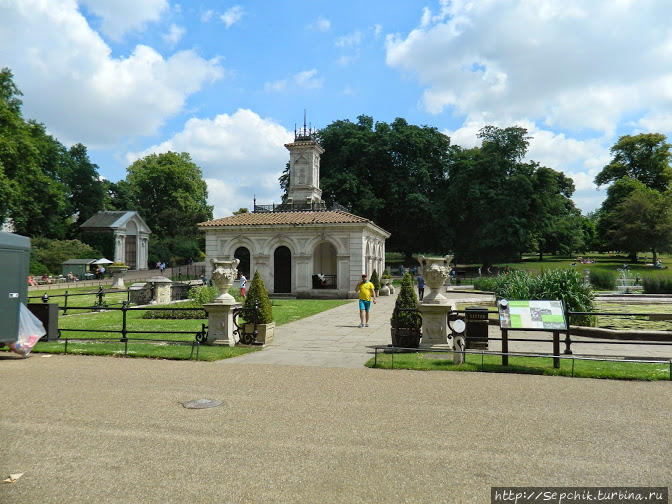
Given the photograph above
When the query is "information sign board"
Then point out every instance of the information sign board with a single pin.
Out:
(532, 315)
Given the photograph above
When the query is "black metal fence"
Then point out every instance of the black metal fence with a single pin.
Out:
(200, 336)
(642, 338)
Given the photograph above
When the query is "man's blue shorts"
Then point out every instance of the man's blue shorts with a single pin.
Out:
(364, 305)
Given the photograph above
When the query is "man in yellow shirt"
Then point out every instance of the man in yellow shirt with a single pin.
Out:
(366, 293)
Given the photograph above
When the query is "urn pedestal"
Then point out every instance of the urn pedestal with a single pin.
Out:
(118, 275)
(435, 306)
(220, 311)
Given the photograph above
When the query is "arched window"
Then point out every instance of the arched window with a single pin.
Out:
(243, 255)
(324, 266)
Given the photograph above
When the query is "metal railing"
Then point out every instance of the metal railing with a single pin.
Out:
(199, 336)
(99, 295)
(300, 206)
(395, 350)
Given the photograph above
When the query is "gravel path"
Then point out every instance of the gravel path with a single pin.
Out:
(102, 429)
(87, 429)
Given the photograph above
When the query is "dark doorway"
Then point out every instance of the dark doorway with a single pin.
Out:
(243, 255)
(282, 265)
(130, 251)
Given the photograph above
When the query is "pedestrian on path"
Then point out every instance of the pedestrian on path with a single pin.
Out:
(366, 292)
(421, 287)
(243, 284)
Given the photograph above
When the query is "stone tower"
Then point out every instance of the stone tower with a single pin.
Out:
(304, 168)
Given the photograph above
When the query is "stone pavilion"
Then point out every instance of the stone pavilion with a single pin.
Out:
(300, 247)
(129, 232)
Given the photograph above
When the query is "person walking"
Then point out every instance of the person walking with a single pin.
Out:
(367, 293)
(243, 284)
(421, 287)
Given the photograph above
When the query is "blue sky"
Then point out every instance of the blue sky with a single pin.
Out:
(227, 81)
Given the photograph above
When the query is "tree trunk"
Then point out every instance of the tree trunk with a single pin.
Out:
(655, 256)
(633, 257)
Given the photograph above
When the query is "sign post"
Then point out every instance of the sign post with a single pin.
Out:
(532, 315)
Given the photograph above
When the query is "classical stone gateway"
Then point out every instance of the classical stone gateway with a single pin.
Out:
(126, 236)
(300, 247)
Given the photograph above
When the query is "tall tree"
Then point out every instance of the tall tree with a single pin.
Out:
(645, 157)
(86, 190)
(30, 163)
(642, 221)
(169, 191)
(390, 173)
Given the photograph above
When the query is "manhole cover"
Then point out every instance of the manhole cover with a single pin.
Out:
(201, 404)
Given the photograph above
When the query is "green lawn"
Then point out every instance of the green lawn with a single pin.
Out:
(79, 299)
(433, 361)
(284, 311)
(603, 262)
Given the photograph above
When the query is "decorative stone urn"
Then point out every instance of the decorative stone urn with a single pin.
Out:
(118, 271)
(435, 306)
(435, 272)
(223, 275)
(384, 289)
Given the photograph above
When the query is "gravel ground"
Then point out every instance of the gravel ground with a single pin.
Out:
(87, 429)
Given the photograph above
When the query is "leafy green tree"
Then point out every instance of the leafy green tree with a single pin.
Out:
(53, 253)
(33, 197)
(645, 157)
(169, 192)
(257, 294)
(642, 221)
(86, 190)
(499, 206)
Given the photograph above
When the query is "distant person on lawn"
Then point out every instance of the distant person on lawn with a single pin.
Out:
(366, 292)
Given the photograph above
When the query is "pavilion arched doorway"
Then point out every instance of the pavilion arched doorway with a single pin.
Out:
(243, 255)
(282, 270)
(324, 266)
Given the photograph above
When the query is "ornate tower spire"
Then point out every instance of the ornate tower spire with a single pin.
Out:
(304, 166)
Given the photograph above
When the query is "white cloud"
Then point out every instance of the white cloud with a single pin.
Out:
(321, 24)
(306, 79)
(93, 97)
(118, 16)
(174, 35)
(377, 30)
(241, 155)
(350, 40)
(561, 64)
(207, 15)
(232, 16)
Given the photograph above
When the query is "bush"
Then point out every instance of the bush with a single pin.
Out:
(603, 280)
(406, 300)
(197, 313)
(375, 280)
(485, 283)
(53, 253)
(202, 295)
(564, 284)
(257, 293)
(657, 285)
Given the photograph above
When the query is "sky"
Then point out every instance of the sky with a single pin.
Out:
(228, 81)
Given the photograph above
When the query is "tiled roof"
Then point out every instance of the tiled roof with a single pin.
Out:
(290, 218)
(105, 219)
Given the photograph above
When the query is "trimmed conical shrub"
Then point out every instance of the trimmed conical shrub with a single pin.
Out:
(375, 280)
(257, 292)
(406, 300)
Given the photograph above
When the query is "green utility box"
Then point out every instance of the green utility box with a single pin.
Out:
(14, 265)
